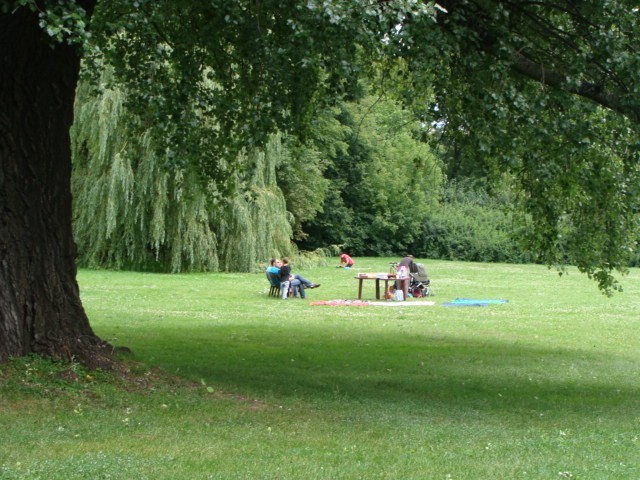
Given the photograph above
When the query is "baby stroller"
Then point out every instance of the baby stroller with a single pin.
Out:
(420, 285)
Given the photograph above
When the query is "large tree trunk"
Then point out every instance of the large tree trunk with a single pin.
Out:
(40, 308)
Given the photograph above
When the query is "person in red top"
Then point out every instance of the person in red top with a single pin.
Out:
(346, 261)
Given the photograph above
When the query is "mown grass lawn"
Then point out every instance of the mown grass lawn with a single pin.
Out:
(227, 383)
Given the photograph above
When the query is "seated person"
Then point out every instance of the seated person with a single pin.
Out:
(390, 293)
(298, 282)
(346, 261)
(273, 268)
(285, 278)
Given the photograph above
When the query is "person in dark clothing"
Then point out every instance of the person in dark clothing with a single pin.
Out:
(409, 263)
(285, 277)
(410, 266)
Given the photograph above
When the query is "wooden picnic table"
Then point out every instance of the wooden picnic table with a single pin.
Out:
(382, 277)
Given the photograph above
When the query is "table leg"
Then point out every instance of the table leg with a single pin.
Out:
(360, 289)
(377, 289)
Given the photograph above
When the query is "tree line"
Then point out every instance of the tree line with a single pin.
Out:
(362, 181)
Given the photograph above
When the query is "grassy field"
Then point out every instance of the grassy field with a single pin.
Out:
(227, 383)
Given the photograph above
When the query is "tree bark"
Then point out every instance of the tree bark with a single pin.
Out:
(40, 307)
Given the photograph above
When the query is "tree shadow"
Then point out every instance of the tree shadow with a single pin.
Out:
(417, 371)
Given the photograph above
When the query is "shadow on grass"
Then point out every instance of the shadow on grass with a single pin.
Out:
(416, 371)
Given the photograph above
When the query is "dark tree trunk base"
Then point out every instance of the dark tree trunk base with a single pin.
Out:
(91, 352)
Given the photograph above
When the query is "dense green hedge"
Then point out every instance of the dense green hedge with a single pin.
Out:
(470, 225)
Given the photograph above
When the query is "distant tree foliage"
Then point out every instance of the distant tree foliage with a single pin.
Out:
(256, 224)
(381, 187)
(471, 225)
(132, 212)
(301, 173)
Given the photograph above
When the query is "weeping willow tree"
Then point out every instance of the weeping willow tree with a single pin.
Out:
(256, 223)
(133, 212)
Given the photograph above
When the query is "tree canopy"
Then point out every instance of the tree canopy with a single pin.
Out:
(545, 91)
(133, 211)
(383, 185)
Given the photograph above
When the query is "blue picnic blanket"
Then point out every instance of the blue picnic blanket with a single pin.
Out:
(470, 302)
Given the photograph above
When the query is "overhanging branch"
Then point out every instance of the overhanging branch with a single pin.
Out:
(477, 16)
(592, 91)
